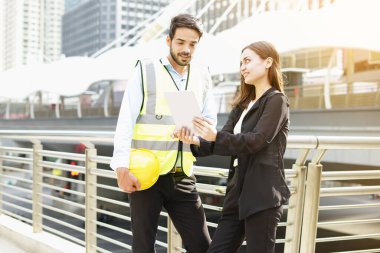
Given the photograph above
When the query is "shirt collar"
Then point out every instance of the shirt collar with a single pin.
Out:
(165, 61)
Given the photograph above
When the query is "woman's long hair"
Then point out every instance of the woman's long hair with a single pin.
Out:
(247, 92)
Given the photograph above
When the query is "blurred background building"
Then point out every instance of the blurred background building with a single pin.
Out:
(30, 32)
(69, 4)
(41, 30)
(90, 25)
(224, 14)
(108, 33)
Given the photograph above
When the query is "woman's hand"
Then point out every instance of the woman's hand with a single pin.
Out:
(186, 136)
(205, 128)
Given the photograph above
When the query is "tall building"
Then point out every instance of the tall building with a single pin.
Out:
(30, 32)
(70, 4)
(54, 10)
(2, 33)
(94, 23)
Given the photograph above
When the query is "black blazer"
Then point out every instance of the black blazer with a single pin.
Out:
(260, 149)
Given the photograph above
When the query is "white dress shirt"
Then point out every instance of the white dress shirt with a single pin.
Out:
(130, 110)
(237, 128)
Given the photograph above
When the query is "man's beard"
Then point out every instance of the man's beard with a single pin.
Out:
(177, 60)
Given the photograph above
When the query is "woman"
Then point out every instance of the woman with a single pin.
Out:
(255, 136)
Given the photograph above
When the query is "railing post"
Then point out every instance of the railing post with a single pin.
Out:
(90, 200)
(296, 202)
(312, 198)
(174, 239)
(37, 188)
(294, 218)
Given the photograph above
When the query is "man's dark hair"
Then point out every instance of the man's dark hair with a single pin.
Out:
(186, 21)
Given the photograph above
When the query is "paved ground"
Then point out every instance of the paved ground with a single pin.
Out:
(7, 246)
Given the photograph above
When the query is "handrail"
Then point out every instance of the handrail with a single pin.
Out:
(45, 133)
(294, 141)
(307, 181)
(348, 142)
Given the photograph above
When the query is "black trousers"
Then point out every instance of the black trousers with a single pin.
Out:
(177, 193)
(258, 229)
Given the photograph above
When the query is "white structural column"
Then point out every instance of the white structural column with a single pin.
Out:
(90, 201)
(37, 187)
(326, 89)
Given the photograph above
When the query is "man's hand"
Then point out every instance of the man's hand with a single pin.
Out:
(126, 180)
(186, 136)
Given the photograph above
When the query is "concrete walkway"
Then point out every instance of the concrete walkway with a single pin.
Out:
(17, 237)
(8, 246)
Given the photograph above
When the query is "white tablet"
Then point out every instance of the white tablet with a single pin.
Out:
(184, 107)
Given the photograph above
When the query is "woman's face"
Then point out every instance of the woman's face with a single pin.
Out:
(252, 67)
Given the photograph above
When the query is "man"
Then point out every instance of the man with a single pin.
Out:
(145, 122)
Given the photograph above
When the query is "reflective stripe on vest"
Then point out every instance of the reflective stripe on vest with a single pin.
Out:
(155, 125)
(160, 145)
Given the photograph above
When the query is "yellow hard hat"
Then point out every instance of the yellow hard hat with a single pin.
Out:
(145, 165)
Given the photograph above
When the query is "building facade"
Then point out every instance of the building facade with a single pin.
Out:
(30, 32)
(54, 10)
(70, 4)
(93, 24)
(224, 14)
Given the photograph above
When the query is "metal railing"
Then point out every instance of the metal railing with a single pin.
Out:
(75, 196)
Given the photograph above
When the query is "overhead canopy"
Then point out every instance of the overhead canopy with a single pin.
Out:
(345, 24)
(218, 54)
(69, 76)
(72, 75)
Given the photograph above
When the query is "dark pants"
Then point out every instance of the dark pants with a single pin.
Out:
(177, 193)
(258, 229)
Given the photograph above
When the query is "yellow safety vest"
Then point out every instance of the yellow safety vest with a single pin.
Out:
(155, 124)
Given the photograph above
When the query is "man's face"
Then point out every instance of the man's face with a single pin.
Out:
(182, 45)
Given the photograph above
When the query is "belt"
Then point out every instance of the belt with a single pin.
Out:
(175, 170)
